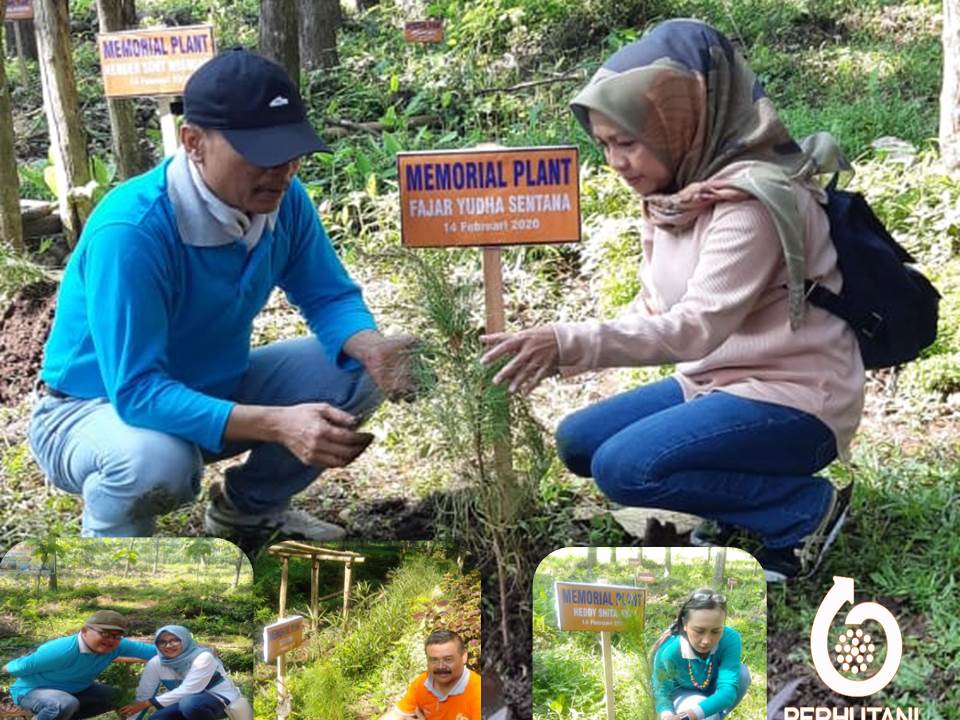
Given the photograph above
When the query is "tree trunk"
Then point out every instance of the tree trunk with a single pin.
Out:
(52, 580)
(667, 562)
(121, 15)
(156, 554)
(278, 35)
(319, 20)
(719, 564)
(950, 93)
(240, 558)
(613, 556)
(11, 229)
(67, 141)
(591, 556)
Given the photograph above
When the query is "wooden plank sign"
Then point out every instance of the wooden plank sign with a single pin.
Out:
(281, 637)
(423, 31)
(597, 608)
(646, 577)
(153, 62)
(484, 197)
(19, 10)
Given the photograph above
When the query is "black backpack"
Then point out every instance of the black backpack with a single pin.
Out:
(890, 305)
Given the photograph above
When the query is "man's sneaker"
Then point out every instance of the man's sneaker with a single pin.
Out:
(803, 560)
(711, 533)
(222, 519)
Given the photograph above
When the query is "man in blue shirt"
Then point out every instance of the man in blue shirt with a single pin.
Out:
(148, 371)
(56, 681)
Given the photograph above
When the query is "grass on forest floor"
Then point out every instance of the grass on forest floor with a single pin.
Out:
(567, 668)
(902, 548)
(181, 593)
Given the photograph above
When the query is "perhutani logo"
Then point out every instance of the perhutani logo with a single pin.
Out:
(279, 101)
(846, 662)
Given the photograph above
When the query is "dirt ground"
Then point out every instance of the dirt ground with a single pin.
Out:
(23, 330)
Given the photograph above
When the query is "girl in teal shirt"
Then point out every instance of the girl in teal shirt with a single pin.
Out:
(697, 671)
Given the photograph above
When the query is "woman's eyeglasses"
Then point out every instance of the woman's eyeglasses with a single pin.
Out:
(709, 595)
(167, 643)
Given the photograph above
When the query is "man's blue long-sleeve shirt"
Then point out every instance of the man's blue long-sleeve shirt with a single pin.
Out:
(59, 665)
(162, 328)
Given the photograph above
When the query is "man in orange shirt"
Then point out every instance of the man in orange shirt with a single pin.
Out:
(449, 690)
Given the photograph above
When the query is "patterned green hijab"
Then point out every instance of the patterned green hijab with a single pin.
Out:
(685, 92)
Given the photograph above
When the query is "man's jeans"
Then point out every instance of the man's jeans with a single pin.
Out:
(47, 704)
(738, 461)
(129, 475)
(688, 699)
(201, 706)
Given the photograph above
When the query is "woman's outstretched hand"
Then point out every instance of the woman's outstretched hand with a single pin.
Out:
(535, 356)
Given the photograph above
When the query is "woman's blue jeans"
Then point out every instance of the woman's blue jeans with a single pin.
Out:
(200, 706)
(737, 461)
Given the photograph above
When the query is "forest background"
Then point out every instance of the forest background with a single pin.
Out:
(869, 71)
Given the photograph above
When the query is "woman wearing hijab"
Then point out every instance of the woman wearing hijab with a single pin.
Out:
(767, 390)
(697, 669)
(184, 681)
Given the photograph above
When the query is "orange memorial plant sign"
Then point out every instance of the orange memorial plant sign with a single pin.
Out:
(502, 196)
(153, 62)
(598, 608)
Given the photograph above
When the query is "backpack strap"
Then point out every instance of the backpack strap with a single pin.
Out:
(866, 325)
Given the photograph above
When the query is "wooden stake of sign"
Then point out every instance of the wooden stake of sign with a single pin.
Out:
(496, 323)
(283, 699)
(605, 650)
(168, 126)
(314, 591)
(347, 573)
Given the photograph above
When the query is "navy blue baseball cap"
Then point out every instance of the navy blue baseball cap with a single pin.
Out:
(252, 101)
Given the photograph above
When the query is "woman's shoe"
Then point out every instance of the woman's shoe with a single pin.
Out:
(803, 560)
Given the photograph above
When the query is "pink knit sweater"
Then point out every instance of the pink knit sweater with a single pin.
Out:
(715, 302)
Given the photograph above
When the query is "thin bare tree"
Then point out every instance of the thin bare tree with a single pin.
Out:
(62, 107)
(122, 15)
(11, 229)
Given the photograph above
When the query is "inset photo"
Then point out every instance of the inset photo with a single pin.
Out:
(644, 633)
(126, 628)
(388, 630)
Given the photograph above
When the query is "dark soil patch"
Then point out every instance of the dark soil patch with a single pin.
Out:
(23, 331)
(395, 518)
